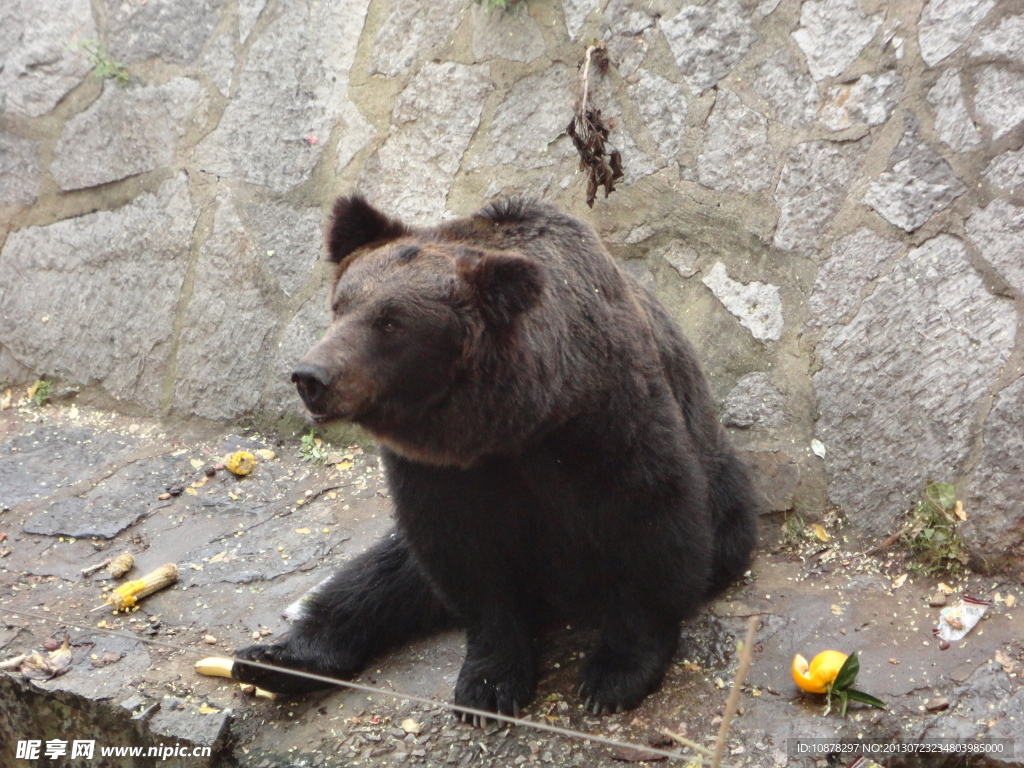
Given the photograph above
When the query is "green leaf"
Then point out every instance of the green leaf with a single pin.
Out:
(842, 703)
(946, 494)
(847, 673)
(865, 698)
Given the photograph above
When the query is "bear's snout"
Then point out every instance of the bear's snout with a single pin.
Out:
(312, 382)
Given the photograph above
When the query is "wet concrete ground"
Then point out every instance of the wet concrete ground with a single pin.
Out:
(78, 486)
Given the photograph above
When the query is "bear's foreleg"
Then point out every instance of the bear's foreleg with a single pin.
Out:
(376, 602)
(500, 670)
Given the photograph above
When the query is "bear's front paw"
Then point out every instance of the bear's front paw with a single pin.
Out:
(273, 680)
(502, 691)
(614, 682)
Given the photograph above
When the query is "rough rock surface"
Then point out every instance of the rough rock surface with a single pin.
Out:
(1007, 170)
(998, 232)
(535, 111)
(1005, 40)
(994, 530)
(999, 101)
(953, 123)
(855, 260)
(754, 401)
(662, 104)
(292, 85)
(170, 30)
(127, 131)
(512, 35)
(815, 181)
(899, 383)
(19, 170)
(682, 259)
(757, 306)
(868, 100)
(832, 35)
(228, 324)
(70, 293)
(946, 24)
(918, 183)
(413, 29)
(576, 12)
(433, 122)
(792, 93)
(708, 40)
(38, 61)
(736, 156)
(288, 240)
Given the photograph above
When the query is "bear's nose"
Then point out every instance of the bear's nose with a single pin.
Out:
(312, 382)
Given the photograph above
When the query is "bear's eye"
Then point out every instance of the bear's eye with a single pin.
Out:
(386, 323)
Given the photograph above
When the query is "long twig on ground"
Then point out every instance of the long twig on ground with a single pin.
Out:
(746, 656)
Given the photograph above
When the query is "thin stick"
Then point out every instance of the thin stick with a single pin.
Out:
(746, 656)
(93, 568)
(686, 742)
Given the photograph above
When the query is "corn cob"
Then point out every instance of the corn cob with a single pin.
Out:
(120, 565)
(131, 592)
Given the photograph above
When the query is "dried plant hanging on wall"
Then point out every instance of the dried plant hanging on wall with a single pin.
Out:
(590, 134)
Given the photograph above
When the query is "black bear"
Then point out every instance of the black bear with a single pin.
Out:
(551, 447)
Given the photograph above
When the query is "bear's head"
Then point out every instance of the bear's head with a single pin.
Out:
(415, 315)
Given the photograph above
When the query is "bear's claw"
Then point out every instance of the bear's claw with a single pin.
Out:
(274, 680)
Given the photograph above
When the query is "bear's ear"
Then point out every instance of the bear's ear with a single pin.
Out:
(356, 223)
(505, 284)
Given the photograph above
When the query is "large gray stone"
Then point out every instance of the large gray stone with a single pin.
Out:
(832, 34)
(708, 40)
(219, 62)
(1007, 170)
(512, 34)
(998, 232)
(952, 121)
(999, 99)
(754, 401)
(662, 104)
(287, 240)
(814, 183)
(535, 111)
(92, 300)
(413, 29)
(576, 12)
(868, 100)
(168, 29)
(792, 92)
(757, 306)
(38, 63)
(431, 126)
(946, 24)
(918, 183)
(736, 156)
(1006, 40)
(288, 96)
(898, 385)
(127, 131)
(248, 14)
(855, 260)
(994, 529)
(301, 333)
(228, 326)
(19, 170)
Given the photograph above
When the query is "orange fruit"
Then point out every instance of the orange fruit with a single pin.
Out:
(819, 674)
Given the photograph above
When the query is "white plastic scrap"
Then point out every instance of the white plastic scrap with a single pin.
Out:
(957, 620)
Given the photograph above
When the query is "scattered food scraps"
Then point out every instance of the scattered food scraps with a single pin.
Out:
(131, 592)
(240, 463)
(56, 663)
(957, 620)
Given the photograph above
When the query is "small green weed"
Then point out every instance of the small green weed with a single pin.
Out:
(103, 64)
(39, 393)
(793, 531)
(931, 536)
(313, 449)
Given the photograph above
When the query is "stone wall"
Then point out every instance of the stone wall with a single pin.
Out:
(827, 194)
